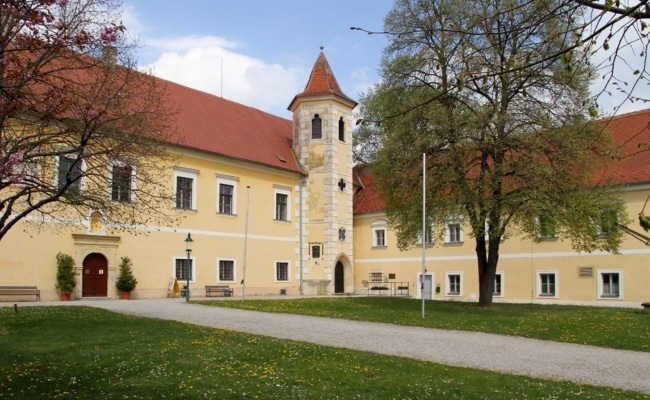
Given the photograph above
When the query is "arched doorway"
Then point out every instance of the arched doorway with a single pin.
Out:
(95, 276)
(339, 278)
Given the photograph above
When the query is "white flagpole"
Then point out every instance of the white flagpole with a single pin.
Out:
(424, 227)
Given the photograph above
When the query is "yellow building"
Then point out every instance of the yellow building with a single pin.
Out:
(546, 270)
(276, 206)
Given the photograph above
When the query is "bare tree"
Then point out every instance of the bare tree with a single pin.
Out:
(82, 131)
(611, 35)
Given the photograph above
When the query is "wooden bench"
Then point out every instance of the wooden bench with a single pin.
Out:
(223, 290)
(646, 307)
(20, 291)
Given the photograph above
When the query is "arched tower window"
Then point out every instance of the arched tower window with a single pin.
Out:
(316, 127)
(341, 130)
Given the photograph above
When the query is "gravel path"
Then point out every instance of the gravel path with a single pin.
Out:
(536, 358)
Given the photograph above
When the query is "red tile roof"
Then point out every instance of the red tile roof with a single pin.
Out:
(210, 123)
(366, 199)
(631, 131)
(321, 82)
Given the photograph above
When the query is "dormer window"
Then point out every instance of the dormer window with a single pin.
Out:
(316, 127)
(341, 130)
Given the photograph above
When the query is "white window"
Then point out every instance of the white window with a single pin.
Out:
(454, 233)
(185, 188)
(379, 233)
(122, 182)
(498, 285)
(487, 231)
(19, 166)
(547, 284)
(610, 284)
(454, 283)
(428, 239)
(282, 204)
(546, 227)
(227, 192)
(69, 174)
(607, 223)
(282, 271)
(226, 271)
(181, 269)
(379, 237)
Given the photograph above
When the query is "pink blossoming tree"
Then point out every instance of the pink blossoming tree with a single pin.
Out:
(81, 130)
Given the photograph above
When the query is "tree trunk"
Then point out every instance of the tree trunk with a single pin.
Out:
(487, 268)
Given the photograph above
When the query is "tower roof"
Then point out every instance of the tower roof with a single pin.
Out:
(322, 82)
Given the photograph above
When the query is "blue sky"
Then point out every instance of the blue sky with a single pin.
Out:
(267, 48)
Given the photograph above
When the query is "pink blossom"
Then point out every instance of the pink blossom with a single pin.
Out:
(109, 34)
(8, 169)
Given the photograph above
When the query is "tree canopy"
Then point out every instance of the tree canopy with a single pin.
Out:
(81, 130)
(610, 34)
(504, 125)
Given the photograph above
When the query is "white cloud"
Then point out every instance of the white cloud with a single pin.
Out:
(197, 62)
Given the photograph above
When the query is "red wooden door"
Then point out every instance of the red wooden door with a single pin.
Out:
(95, 276)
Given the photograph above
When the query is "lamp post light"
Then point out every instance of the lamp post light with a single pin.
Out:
(188, 250)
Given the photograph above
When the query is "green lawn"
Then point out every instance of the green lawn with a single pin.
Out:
(619, 328)
(86, 353)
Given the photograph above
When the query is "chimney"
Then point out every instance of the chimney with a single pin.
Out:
(109, 57)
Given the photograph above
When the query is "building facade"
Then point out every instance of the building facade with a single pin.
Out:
(277, 206)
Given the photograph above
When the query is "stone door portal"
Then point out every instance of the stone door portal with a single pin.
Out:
(339, 286)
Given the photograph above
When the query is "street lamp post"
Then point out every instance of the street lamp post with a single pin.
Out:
(188, 250)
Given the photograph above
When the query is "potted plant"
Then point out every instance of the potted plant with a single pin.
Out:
(126, 282)
(65, 276)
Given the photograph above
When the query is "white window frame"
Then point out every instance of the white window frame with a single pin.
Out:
(538, 277)
(192, 269)
(375, 239)
(227, 181)
(82, 171)
(186, 173)
(276, 271)
(538, 224)
(500, 275)
(448, 232)
(276, 192)
(32, 169)
(601, 285)
(448, 276)
(599, 229)
(132, 187)
(234, 269)
(431, 238)
(487, 232)
(379, 225)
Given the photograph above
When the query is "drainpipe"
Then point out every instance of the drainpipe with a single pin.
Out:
(301, 262)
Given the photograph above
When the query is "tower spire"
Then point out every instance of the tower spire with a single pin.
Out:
(322, 82)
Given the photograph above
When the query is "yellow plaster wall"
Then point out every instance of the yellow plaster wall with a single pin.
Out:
(520, 261)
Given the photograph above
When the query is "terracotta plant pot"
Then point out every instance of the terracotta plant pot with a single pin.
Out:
(65, 296)
(125, 295)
